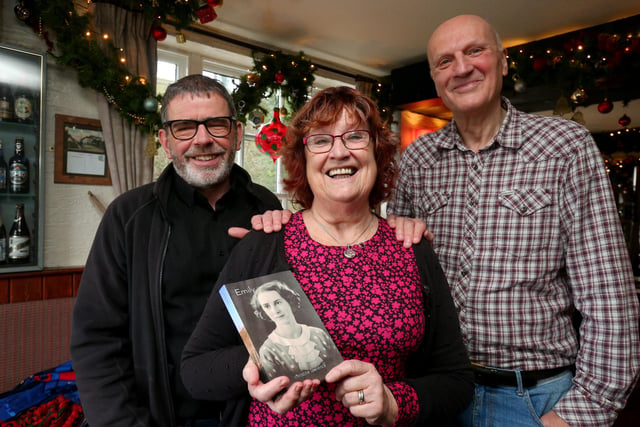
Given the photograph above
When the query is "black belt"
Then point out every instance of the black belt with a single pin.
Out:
(493, 377)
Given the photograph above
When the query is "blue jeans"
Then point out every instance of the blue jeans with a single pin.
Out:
(515, 406)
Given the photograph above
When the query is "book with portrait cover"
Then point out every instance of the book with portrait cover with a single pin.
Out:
(280, 328)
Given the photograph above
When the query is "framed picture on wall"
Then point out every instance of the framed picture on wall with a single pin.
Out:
(81, 156)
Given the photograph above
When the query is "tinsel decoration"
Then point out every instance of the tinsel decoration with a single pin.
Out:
(271, 73)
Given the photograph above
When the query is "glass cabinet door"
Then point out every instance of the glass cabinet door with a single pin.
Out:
(22, 91)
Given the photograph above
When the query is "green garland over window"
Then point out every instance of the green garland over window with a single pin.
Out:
(96, 60)
(292, 75)
(99, 67)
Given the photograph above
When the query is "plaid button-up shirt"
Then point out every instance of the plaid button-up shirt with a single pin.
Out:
(525, 230)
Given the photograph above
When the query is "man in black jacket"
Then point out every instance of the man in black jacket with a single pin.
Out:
(154, 260)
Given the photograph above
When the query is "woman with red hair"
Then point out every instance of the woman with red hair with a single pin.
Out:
(386, 307)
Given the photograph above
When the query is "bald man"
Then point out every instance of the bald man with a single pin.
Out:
(527, 231)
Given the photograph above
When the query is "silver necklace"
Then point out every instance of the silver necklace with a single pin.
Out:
(352, 249)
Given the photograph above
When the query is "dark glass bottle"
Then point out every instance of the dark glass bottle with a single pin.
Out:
(19, 238)
(6, 103)
(23, 106)
(19, 169)
(3, 171)
(3, 242)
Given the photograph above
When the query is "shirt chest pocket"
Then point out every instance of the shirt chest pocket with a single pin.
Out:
(526, 221)
(525, 202)
(431, 202)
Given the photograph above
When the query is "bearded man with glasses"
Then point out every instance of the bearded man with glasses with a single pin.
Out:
(155, 257)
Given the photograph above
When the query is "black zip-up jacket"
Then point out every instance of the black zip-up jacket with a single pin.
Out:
(118, 348)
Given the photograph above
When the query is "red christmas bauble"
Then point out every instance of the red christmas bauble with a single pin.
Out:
(206, 14)
(539, 64)
(605, 106)
(272, 136)
(159, 33)
(624, 120)
(279, 77)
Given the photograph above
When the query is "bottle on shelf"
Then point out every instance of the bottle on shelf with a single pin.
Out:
(19, 169)
(6, 103)
(3, 171)
(23, 106)
(19, 238)
(3, 242)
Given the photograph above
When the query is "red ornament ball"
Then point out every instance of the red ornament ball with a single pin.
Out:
(624, 120)
(605, 106)
(272, 136)
(159, 33)
(539, 64)
(279, 77)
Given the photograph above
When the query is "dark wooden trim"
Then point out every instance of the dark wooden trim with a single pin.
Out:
(49, 283)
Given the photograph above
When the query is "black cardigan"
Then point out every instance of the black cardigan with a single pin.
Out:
(214, 356)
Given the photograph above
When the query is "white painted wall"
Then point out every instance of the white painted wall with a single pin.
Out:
(70, 219)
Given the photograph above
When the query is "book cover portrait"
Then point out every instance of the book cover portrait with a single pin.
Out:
(280, 327)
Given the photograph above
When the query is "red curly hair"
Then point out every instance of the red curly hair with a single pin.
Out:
(322, 110)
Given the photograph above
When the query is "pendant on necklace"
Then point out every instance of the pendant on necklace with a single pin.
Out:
(351, 251)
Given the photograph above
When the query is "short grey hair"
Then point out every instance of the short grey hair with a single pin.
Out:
(198, 85)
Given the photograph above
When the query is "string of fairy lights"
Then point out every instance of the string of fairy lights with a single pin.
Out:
(102, 66)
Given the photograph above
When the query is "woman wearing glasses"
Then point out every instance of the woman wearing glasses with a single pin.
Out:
(387, 308)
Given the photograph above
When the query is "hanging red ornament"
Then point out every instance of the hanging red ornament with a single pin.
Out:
(279, 77)
(539, 64)
(206, 14)
(159, 33)
(271, 137)
(624, 120)
(605, 106)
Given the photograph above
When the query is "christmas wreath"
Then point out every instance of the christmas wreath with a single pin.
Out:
(277, 73)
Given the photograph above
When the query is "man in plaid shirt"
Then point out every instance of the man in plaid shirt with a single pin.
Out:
(527, 232)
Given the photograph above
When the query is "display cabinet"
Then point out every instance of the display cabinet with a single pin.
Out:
(22, 93)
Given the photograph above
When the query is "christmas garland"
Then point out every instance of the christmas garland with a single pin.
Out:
(95, 59)
(99, 67)
(275, 73)
(585, 66)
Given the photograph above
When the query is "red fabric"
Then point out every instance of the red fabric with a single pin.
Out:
(59, 412)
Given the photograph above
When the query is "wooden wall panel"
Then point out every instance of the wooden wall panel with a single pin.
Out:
(50, 283)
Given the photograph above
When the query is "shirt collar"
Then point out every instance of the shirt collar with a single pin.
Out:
(507, 135)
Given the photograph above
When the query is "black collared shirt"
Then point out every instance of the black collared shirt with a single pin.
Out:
(198, 249)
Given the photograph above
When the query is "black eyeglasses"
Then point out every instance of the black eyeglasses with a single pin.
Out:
(187, 129)
(323, 142)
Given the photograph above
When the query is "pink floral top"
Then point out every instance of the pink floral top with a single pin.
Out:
(372, 306)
